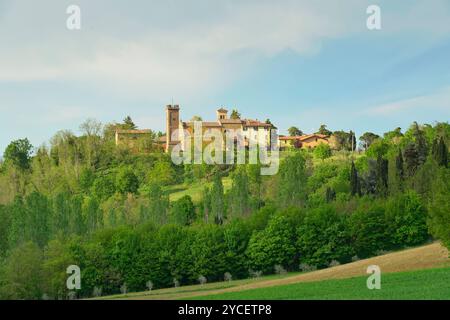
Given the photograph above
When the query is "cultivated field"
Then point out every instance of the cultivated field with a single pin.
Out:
(432, 256)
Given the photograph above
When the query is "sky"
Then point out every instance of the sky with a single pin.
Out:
(298, 63)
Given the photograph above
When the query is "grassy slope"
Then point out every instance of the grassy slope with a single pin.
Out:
(422, 284)
(424, 257)
(194, 190)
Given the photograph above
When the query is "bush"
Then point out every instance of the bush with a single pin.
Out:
(322, 151)
(407, 220)
(324, 236)
(368, 229)
(274, 245)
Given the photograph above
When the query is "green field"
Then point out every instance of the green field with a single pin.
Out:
(194, 190)
(423, 284)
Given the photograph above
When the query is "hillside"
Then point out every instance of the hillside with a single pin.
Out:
(421, 258)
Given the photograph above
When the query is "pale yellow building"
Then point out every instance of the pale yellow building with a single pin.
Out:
(308, 141)
(250, 129)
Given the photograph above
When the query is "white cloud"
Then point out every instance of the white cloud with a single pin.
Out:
(195, 55)
(439, 100)
(175, 48)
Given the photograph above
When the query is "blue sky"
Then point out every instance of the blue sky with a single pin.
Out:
(299, 63)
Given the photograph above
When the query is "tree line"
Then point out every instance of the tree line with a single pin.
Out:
(85, 202)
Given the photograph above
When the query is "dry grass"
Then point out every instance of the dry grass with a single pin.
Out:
(425, 257)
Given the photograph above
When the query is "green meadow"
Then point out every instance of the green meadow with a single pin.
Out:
(423, 284)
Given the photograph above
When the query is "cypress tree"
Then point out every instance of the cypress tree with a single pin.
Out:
(217, 200)
(421, 144)
(239, 194)
(330, 195)
(399, 170)
(440, 152)
(354, 183)
(411, 159)
(382, 176)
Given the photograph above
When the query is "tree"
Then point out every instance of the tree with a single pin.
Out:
(440, 152)
(17, 232)
(91, 141)
(239, 195)
(393, 135)
(294, 131)
(23, 274)
(382, 176)
(196, 118)
(399, 165)
(355, 188)
(341, 140)
(324, 236)
(378, 147)
(255, 181)
(235, 114)
(126, 181)
(292, 181)
(183, 211)
(411, 159)
(206, 204)
(397, 173)
(92, 214)
(421, 143)
(158, 203)
(322, 151)
(61, 213)
(38, 217)
(439, 208)
(18, 154)
(275, 245)
(104, 186)
(128, 124)
(162, 173)
(207, 253)
(5, 224)
(406, 219)
(368, 229)
(217, 200)
(367, 139)
(86, 179)
(323, 130)
(352, 141)
(57, 259)
(92, 127)
(330, 195)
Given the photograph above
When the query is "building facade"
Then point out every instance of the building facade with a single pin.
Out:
(176, 129)
(308, 141)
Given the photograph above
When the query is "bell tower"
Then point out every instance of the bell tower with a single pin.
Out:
(172, 123)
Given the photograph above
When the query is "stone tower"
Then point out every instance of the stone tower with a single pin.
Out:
(222, 114)
(172, 124)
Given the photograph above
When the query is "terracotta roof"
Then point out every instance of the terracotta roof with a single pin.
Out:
(146, 131)
(238, 121)
(204, 124)
(304, 137)
(222, 110)
(256, 123)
